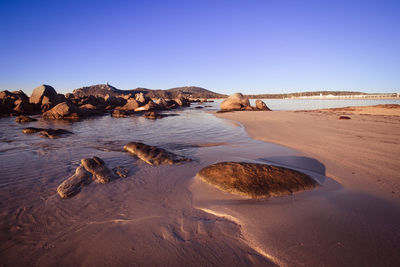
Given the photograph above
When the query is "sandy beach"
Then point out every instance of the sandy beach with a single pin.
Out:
(361, 153)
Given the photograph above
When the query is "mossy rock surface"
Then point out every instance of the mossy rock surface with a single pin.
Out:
(256, 180)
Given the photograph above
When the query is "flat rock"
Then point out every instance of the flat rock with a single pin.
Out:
(255, 180)
(23, 118)
(73, 184)
(153, 155)
(49, 133)
(101, 173)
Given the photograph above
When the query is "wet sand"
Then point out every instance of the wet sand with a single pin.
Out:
(353, 219)
(362, 153)
(165, 215)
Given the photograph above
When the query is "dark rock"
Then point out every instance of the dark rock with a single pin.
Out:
(198, 107)
(260, 105)
(140, 97)
(120, 113)
(49, 133)
(344, 118)
(182, 101)
(255, 180)
(62, 111)
(120, 171)
(116, 101)
(101, 173)
(153, 155)
(73, 184)
(23, 118)
(235, 102)
(152, 115)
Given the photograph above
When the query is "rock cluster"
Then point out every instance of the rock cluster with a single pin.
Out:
(54, 106)
(238, 101)
(255, 180)
(91, 169)
(154, 155)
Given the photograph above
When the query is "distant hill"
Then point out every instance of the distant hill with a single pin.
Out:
(300, 94)
(190, 91)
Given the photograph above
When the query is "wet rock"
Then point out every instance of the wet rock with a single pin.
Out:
(162, 103)
(120, 171)
(23, 118)
(152, 115)
(235, 102)
(101, 173)
(153, 155)
(120, 113)
(344, 118)
(115, 101)
(255, 180)
(54, 133)
(14, 103)
(73, 184)
(49, 133)
(260, 105)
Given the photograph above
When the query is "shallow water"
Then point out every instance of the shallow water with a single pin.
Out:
(164, 215)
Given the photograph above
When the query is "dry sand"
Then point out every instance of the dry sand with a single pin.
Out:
(362, 154)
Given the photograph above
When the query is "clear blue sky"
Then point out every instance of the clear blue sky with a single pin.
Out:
(269, 46)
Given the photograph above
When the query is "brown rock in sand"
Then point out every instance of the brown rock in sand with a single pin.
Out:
(153, 155)
(235, 102)
(260, 105)
(73, 184)
(255, 180)
(101, 173)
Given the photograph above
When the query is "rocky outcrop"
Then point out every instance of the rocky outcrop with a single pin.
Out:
(62, 111)
(14, 103)
(120, 113)
(22, 118)
(49, 133)
(149, 106)
(153, 155)
(91, 169)
(44, 97)
(260, 105)
(255, 180)
(235, 102)
(131, 105)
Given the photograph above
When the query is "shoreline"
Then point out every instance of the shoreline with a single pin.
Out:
(361, 153)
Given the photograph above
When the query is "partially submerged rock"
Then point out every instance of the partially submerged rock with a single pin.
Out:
(344, 118)
(49, 133)
(23, 118)
(91, 169)
(255, 180)
(73, 184)
(101, 173)
(153, 155)
(235, 102)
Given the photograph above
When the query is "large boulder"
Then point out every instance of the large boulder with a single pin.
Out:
(149, 106)
(131, 105)
(44, 97)
(63, 111)
(182, 101)
(260, 105)
(153, 155)
(236, 101)
(255, 180)
(140, 97)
